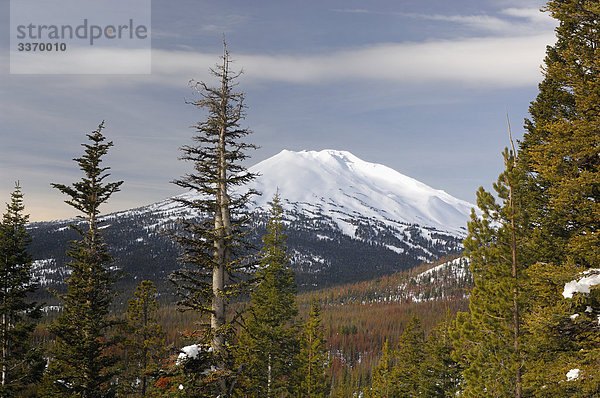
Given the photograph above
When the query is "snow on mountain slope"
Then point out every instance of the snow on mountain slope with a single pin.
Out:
(347, 220)
(343, 186)
(450, 280)
(347, 190)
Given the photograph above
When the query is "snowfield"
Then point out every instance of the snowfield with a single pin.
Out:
(334, 182)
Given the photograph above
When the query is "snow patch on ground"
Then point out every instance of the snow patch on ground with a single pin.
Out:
(395, 249)
(573, 374)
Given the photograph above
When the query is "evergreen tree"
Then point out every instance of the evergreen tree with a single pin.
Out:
(441, 374)
(80, 365)
(145, 344)
(560, 156)
(20, 363)
(312, 359)
(489, 337)
(268, 345)
(215, 249)
(406, 375)
(383, 385)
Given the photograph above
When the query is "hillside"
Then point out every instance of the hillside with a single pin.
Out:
(347, 220)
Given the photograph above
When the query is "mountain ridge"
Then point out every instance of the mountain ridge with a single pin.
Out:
(401, 198)
(347, 220)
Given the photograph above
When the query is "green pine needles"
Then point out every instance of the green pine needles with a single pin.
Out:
(81, 364)
(20, 364)
(216, 253)
(313, 358)
(490, 334)
(145, 343)
(268, 344)
(522, 336)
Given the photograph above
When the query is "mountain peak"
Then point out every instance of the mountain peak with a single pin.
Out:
(347, 219)
(344, 186)
(322, 155)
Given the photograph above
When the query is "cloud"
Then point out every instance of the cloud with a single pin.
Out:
(509, 57)
(479, 22)
(532, 14)
(493, 62)
(489, 62)
(510, 22)
(352, 10)
(83, 60)
(224, 24)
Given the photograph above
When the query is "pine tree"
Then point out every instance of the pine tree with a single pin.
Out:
(560, 153)
(20, 362)
(406, 375)
(145, 344)
(81, 365)
(268, 346)
(489, 337)
(441, 374)
(383, 385)
(312, 359)
(215, 249)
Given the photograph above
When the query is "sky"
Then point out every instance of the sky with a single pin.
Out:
(422, 86)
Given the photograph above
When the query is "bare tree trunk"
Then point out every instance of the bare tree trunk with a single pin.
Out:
(218, 303)
(218, 306)
(223, 229)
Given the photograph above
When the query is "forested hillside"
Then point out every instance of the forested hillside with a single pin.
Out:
(344, 301)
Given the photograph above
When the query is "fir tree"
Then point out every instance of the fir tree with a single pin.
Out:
(145, 344)
(560, 155)
(81, 365)
(215, 249)
(312, 359)
(268, 345)
(20, 363)
(441, 374)
(383, 385)
(489, 337)
(406, 375)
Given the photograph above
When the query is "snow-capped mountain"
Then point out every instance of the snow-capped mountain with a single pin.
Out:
(347, 220)
(341, 185)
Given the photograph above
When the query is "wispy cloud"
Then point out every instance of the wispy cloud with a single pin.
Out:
(479, 22)
(508, 62)
(491, 62)
(532, 14)
(83, 60)
(224, 24)
(352, 10)
(509, 21)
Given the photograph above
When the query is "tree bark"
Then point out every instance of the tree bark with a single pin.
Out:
(223, 231)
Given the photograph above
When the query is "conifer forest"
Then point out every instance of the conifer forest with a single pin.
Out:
(512, 310)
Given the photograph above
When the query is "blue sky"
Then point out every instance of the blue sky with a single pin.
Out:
(421, 86)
